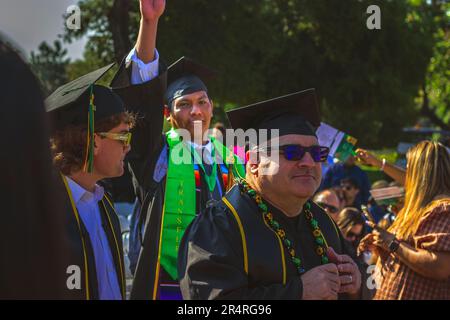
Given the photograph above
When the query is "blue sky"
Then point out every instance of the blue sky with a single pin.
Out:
(29, 22)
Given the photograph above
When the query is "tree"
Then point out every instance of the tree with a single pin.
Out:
(435, 92)
(49, 64)
(107, 24)
(367, 79)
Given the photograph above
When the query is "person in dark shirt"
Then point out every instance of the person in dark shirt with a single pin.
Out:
(348, 169)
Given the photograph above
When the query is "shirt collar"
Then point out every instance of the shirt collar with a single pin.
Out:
(196, 146)
(79, 194)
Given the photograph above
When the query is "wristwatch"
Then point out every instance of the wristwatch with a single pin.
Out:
(393, 245)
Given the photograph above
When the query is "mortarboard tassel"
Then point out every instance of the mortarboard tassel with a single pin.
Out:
(89, 159)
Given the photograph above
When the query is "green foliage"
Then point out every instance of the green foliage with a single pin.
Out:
(49, 65)
(438, 73)
(94, 23)
(367, 80)
(90, 63)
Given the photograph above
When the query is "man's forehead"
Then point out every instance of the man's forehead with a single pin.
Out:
(121, 127)
(303, 140)
(192, 96)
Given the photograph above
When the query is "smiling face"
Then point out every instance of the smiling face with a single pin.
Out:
(109, 154)
(294, 179)
(189, 108)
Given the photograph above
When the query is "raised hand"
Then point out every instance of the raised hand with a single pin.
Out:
(367, 244)
(152, 9)
(367, 158)
(382, 238)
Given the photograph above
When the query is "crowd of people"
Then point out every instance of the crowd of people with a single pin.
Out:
(228, 223)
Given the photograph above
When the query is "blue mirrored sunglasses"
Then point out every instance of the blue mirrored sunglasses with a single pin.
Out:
(295, 152)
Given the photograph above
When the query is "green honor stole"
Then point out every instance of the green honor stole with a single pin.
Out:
(180, 196)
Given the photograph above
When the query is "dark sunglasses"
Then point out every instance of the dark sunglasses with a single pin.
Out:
(353, 235)
(295, 152)
(331, 208)
(347, 187)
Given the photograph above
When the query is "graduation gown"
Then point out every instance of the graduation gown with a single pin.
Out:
(80, 252)
(229, 252)
(147, 162)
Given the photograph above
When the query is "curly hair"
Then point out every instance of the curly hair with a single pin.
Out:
(69, 145)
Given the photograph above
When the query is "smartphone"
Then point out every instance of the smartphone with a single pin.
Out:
(367, 214)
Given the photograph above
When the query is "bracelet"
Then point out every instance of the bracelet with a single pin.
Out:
(383, 163)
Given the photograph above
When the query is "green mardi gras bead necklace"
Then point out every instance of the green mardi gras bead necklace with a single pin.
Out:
(288, 244)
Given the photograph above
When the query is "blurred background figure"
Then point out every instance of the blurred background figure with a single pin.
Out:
(30, 254)
(414, 254)
(377, 211)
(330, 202)
(383, 212)
(352, 225)
(350, 192)
(358, 179)
(219, 132)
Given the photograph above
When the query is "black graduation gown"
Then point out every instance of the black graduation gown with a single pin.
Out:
(80, 252)
(147, 145)
(221, 258)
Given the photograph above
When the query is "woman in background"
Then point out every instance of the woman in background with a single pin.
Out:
(351, 223)
(414, 254)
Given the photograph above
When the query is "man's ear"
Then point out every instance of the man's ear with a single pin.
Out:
(97, 144)
(251, 158)
(166, 112)
(212, 107)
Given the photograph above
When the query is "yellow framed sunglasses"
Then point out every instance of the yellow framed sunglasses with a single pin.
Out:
(125, 138)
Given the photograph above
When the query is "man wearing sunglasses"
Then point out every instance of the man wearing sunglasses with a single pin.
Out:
(90, 139)
(329, 201)
(266, 239)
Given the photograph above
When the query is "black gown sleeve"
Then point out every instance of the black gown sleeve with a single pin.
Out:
(146, 100)
(211, 265)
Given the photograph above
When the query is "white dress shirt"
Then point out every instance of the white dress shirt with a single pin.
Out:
(142, 72)
(87, 206)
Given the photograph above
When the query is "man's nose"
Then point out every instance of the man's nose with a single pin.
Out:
(306, 161)
(196, 110)
(127, 148)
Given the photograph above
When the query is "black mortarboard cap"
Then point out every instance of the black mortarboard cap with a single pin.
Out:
(81, 101)
(296, 113)
(69, 104)
(186, 76)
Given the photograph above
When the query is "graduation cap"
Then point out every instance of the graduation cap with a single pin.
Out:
(186, 76)
(81, 101)
(295, 113)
